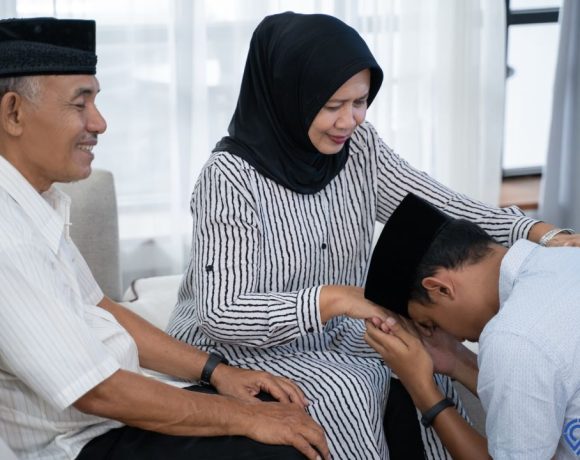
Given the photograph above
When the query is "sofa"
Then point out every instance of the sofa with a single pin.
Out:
(95, 231)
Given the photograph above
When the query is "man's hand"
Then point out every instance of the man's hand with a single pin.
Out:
(280, 423)
(443, 348)
(403, 352)
(246, 384)
(337, 300)
(451, 357)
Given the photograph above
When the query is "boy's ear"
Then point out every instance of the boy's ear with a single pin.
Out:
(439, 287)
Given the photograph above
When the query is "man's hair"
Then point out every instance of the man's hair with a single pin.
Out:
(27, 86)
(459, 243)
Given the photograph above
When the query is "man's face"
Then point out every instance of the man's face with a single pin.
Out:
(60, 129)
(456, 321)
(463, 301)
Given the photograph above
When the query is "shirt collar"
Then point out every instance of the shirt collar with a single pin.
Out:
(48, 212)
(511, 266)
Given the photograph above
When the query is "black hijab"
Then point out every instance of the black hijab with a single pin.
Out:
(295, 63)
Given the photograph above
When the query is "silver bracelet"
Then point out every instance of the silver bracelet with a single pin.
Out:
(546, 237)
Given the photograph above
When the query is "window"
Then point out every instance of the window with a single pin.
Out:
(532, 47)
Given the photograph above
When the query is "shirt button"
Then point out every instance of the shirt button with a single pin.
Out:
(310, 329)
(323, 246)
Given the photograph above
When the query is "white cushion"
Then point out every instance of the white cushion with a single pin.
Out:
(153, 298)
(5, 451)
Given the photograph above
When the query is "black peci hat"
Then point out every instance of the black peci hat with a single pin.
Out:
(47, 46)
(404, 241)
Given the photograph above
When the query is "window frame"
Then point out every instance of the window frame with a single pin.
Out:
(515, 18)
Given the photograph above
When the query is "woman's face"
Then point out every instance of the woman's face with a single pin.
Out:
(342, 113)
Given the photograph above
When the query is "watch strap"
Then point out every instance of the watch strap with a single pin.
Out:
(212, 362)
(430, 414)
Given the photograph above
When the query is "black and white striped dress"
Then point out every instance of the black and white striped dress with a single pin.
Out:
(261, 252)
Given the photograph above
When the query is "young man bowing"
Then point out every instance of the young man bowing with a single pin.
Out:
(521, 304)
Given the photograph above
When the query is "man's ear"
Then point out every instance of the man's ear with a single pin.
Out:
(439, 287)
(11, 113)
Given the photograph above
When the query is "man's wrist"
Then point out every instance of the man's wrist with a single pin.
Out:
(213, 361)
(425, 395)
(430, 414)
(465, 364)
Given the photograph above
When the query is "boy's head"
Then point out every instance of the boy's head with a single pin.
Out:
(437, 270)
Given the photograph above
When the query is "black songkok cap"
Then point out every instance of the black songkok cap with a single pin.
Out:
(47, 46)
(405, 239)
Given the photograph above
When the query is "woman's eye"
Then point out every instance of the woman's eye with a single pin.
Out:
(332, 108)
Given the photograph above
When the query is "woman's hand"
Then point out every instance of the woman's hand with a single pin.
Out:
(539, 229)
(563, 239)
(337, 300)
(246, 384)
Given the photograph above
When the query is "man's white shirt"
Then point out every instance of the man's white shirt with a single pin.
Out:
(55, 342)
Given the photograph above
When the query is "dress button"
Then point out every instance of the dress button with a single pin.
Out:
(310, 329)
(323, 246)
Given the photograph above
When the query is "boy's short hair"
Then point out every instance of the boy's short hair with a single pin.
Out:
(459, 243)
(417, 239)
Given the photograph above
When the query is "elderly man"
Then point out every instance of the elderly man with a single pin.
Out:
(70, 379)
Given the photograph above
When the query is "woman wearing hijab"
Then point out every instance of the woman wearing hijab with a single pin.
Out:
(283, 219)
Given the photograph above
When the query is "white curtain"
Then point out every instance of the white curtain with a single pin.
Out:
(170, 73)
(560, 194)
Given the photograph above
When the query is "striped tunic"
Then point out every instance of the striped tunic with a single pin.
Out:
(260, 254)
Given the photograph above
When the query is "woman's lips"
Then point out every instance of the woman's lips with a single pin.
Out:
(338, 139)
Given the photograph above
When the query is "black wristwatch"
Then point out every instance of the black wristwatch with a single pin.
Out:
(212, 361)
(430, 414)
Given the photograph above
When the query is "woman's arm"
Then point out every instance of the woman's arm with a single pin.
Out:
(225, 286)
(396, 178)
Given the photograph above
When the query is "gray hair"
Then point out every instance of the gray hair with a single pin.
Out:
(27, 86)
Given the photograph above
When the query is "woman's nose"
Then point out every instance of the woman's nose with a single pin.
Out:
(346, 118)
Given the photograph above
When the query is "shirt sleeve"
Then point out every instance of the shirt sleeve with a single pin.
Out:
(44, 340)
(522, 391)
(396, 178)
(225, 270)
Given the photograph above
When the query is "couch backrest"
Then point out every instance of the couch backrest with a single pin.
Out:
(95, 228)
